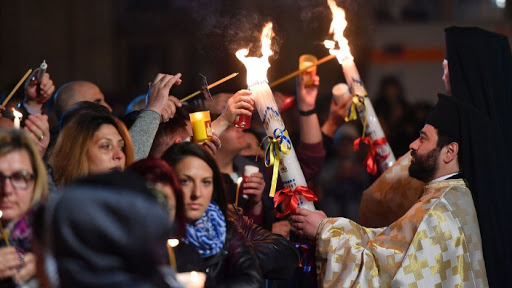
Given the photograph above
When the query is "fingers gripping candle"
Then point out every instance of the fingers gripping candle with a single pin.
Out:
(379, 147)
(280, 153)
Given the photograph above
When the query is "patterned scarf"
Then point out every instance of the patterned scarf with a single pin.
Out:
(208, 233)
(20, 233)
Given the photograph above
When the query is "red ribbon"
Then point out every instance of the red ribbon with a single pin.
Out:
(291, 200)
(371, 158)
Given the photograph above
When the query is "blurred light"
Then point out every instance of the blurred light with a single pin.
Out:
(501, 3)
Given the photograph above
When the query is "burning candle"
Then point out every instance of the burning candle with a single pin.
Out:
(283, 155)
(171, 243)
(4, 233)
(238, 183)
(192, 279)
(305, 61)
(201, 126)
(17, 118)
(371, 123)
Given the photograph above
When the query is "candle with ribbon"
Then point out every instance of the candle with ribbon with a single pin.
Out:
(201, 126)
(171, 243)
(280, 153)
(17, 118)
(380, 152)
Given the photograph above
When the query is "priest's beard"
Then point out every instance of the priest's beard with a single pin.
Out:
(425, 167)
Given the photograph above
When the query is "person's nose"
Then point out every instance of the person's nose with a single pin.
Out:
(118, 154)
(196, 191)
(414, 144)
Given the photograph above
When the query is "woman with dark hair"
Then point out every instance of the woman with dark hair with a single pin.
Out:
(163, 179)
(228, 257)
(90, 143)
(213, 226)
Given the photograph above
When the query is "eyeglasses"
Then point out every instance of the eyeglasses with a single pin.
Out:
(19, 180)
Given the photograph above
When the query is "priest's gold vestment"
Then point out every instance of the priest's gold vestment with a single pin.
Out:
(435, 244)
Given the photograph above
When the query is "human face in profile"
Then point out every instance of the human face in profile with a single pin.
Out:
(425, 155)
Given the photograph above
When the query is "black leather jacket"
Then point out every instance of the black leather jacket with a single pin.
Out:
(276, 255)
(235, 265)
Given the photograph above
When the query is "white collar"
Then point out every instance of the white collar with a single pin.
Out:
(443, 177)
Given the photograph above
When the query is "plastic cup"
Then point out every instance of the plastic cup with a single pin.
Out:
(201, 126)
(306, 60)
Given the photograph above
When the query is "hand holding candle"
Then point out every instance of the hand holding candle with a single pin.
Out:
(308, 62)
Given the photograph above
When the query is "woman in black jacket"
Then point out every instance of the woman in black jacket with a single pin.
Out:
(228, 256)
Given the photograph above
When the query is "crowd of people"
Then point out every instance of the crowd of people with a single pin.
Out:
(89, 199)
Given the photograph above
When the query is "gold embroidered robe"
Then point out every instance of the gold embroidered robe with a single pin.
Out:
(435, 244)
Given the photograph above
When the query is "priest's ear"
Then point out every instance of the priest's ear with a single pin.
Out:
(450, 152)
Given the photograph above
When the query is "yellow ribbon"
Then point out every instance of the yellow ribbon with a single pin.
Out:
(278, 144)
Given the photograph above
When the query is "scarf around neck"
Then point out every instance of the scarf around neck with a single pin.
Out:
(208, 233)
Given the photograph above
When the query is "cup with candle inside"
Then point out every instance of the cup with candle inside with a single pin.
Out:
(243, 121)
(201, 126)
(306, 60)
(248, 171)
(340, 93)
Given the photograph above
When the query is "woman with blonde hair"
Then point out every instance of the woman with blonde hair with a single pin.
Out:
(23, 185)
(91, 143)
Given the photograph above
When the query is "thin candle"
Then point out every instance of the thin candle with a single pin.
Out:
(17, 118)
(16, 87)
(209, 87)
(238, 182)
(171, 243)
(293, 74)
(4, 235)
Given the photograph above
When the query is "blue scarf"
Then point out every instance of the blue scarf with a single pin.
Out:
(208, 233)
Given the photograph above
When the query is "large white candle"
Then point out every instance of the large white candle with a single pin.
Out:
(365, 111)
(385, 156)
(289, 168)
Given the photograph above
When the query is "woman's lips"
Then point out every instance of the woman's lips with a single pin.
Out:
(194, 206)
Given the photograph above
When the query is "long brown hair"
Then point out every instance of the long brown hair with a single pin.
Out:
(69, 156)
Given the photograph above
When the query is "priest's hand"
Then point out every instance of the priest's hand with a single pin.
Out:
(306, 222)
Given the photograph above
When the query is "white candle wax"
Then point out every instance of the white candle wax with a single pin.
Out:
(373, 128)
(289, 168)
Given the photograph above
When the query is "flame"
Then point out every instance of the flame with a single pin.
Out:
(16, 114)
(338, 25)
(173, 242)
(257, 67)
(194, 276)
